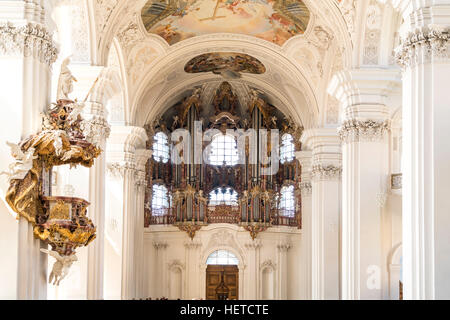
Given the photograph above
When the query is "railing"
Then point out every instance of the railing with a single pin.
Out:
(285, 217)
(162, 216)
(228, 214)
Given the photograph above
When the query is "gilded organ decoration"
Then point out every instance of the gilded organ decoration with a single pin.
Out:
(61, 222)
(229, 182)
(272, 20)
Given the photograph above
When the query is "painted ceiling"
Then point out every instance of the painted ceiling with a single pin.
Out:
(271, 20)
(228, 64)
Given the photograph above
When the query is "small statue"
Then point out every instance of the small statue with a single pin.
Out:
(274, 121)
(176, 122)
(60, 267)
(77, 109)
(24, 162)
(65, 81)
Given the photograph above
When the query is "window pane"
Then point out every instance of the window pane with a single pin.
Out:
(287, 150)
(160, 200)
(223, 151)
(287, 202)
(161, 148)
(222, 257)
(223, 196)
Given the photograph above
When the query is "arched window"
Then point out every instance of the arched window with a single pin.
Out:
(287, 202)
(287, 150)
(225, 196)
(223, 151)
(160, 200)
(161, 147)
(222, 257)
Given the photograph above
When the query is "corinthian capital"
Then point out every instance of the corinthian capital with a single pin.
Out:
(28, 40)
(328, 172)
(423, 45)
(363, 130)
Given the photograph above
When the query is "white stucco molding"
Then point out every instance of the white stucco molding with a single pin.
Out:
(363, 93)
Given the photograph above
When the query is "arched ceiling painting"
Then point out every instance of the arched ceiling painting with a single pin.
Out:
(227, 64)
(272, 20)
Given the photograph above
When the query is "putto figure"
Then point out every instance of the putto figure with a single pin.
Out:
(60, 267)
(24, 162)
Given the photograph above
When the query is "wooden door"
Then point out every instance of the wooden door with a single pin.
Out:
(231, 279)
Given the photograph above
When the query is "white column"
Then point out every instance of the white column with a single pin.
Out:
(326, 208)
(142, 157)
(97, 175)
(305, 159)
(425, 58)
(125, 153)
(26, 56)
(91, 84)
(365, 176)
(129, 225)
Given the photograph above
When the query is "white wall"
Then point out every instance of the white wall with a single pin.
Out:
(167, 248)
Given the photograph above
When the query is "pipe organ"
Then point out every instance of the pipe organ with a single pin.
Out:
(248, 167)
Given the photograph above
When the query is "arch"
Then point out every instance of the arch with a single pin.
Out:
(176, 281)
(225, 247)
(268, 280)
(228, 245)
(218, 258)
(297, 98)
(149, 93)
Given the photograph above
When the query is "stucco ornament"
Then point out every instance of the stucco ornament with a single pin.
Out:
(24, 162)
(60, 267)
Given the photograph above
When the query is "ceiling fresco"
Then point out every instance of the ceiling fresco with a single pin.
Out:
(271, 20)
(227, 64)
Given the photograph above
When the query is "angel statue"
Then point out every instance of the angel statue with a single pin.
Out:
(65, 81)
(60, 267)
(24, 162)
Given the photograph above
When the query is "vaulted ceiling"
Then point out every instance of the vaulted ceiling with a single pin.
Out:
(164, 48)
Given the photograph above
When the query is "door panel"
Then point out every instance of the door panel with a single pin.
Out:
(231, 279)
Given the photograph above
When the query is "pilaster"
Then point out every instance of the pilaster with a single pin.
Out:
(305, 159)
(27, 53)
(326, 171)
(364, 94)
(425, 58)
(126, 157)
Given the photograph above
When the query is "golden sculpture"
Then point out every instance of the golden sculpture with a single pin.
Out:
(61, 222)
